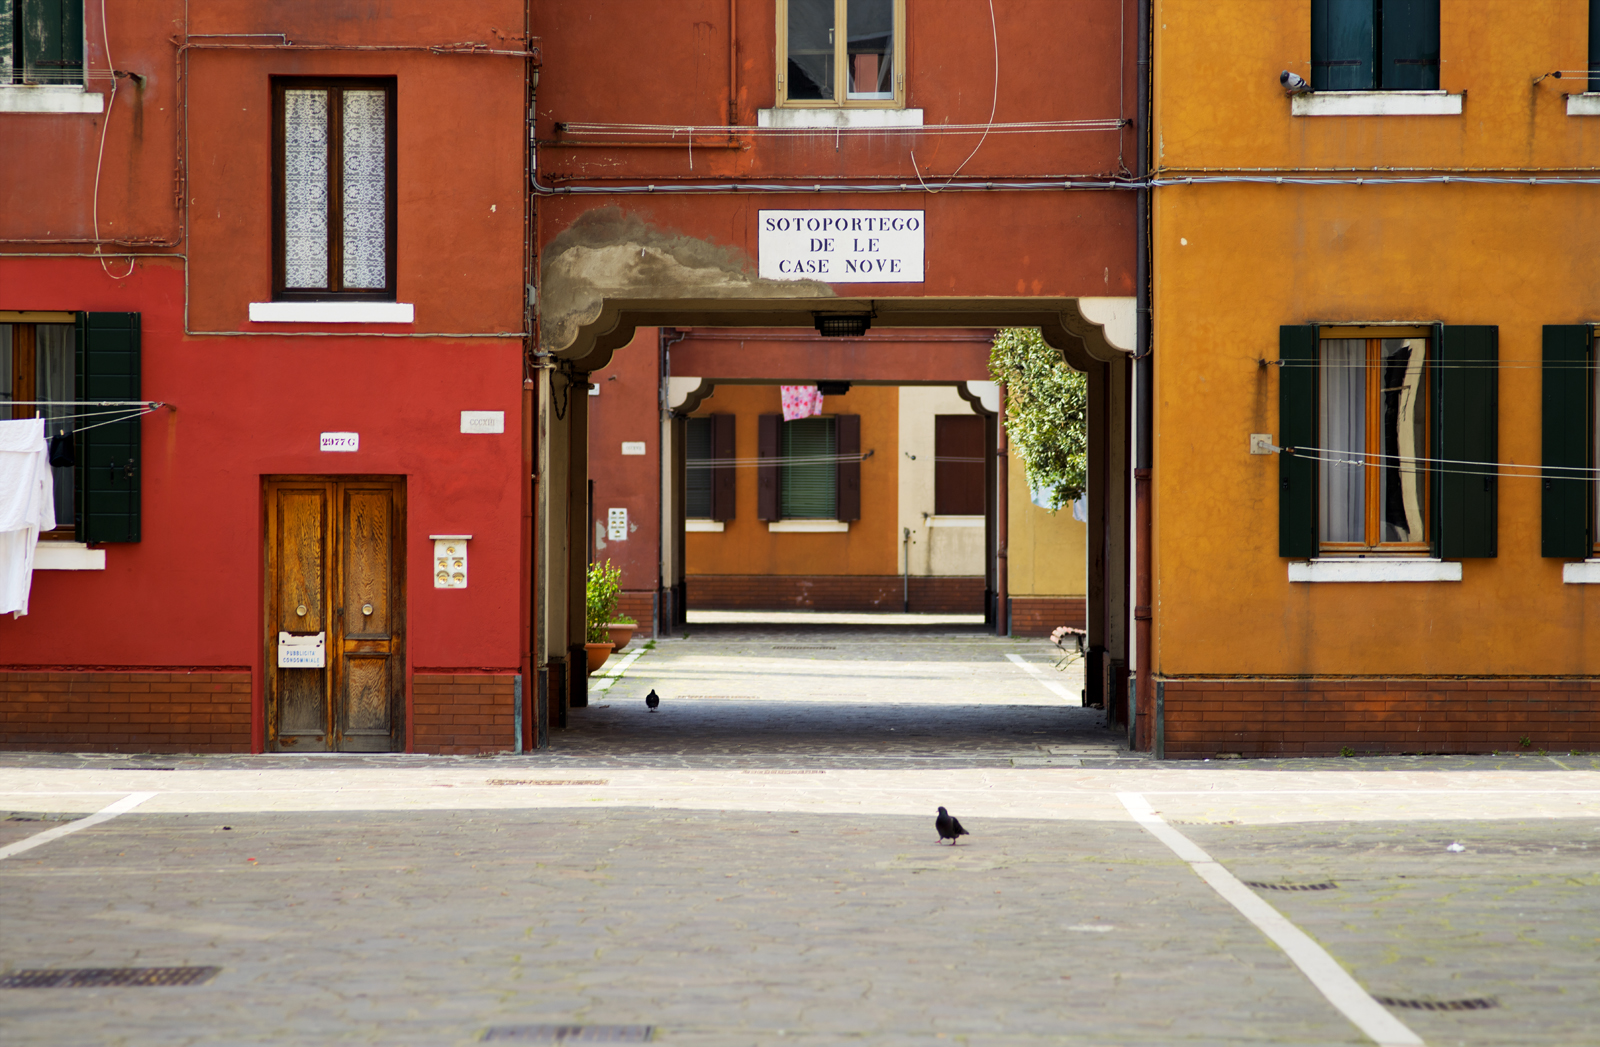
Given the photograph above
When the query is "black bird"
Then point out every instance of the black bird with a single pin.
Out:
(949, 828)
(652, 700)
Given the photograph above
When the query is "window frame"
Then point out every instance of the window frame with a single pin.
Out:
(841, 77)
(66, 529)
(335, 292)
(1375, 55)
(1373, 473)
(14, 47)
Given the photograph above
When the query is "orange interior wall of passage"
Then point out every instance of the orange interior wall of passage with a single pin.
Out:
(747, 547)
(1454, 254)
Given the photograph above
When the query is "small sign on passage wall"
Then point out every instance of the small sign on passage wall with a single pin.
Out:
(341, 442)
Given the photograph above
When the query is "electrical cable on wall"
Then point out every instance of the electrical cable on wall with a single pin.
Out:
(105, 125)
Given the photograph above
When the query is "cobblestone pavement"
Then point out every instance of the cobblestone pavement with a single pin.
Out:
(758, 866)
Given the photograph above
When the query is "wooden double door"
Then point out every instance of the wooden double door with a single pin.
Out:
(335, 557)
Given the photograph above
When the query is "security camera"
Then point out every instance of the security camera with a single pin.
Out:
(1292, 82)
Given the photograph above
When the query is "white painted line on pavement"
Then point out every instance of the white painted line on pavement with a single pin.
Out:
(1324, 972)
(1038, 674)
(105, 814)
(614, 674)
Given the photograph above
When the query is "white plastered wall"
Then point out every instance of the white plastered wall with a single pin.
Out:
(939, 546)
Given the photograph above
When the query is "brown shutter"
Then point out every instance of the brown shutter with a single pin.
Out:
(722, 476)
(847, 436)
(768, 427)
(958, 460)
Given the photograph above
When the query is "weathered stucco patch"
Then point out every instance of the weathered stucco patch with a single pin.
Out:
(607, 254)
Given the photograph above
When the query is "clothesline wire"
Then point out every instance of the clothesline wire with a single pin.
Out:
(112, 421)
(813, 459)
(1499, 365)
(1334, 456)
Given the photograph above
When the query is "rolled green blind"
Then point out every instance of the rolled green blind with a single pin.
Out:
(810, 478)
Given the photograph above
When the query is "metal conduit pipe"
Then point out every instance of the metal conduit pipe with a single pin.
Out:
(1144, 401)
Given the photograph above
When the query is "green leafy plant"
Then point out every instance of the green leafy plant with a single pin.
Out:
(1345, 750)
(624, 619)
(603, 590)
(1526, 742)
(1047, 411)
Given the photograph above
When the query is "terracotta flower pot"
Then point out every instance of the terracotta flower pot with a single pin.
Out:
(598, 653)
(620, 634)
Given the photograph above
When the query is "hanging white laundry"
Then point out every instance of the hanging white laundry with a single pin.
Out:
(27, 507)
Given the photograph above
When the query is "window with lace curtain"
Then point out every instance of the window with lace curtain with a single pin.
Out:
(845, 53)
(37, 363)
(334, 189)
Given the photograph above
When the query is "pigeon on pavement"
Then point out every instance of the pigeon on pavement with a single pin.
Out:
(651, 700)
(949, 828)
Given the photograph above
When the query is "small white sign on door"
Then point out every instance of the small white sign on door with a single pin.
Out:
(633, 447)
(341, 441)
(483, 421)
(616, 525)
(841, 247)
(449, 563)
(302, 652)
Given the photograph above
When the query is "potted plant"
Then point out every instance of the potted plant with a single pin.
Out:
(620, 630)
(602, 592)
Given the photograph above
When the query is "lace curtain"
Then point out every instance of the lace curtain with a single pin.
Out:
(305, 189)
(365, 189)
(1344, 435)
(55, 359)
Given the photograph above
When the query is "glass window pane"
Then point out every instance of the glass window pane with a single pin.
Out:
(305, 189)
(1343, 45)
(810, 76)
(869, 46)
(698, 485)
(56, 366)
(809, 486)
(1410, 45)
(1344, 439)
(366, 212)
(1405, 439)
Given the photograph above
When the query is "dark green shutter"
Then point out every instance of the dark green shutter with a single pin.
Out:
(1594, 47)
(1568, 382)
(1409, 45)
(5, 42)
(1466, 429)
(52, 41)
(1343, 44)
(698, 499)
(108, 455)
(1297, 427)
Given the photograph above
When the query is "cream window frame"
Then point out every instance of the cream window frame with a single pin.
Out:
(841, 75)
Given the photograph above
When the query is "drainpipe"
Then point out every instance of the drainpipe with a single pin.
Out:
(905, 574)
(733, 63)
(1002, 582)
(1144, 400)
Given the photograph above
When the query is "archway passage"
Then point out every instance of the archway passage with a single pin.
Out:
(570, 524)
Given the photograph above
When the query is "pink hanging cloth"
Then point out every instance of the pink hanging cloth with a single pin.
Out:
(800, 401)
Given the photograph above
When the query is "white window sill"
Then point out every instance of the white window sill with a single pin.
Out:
(1587, 104)
(831, 119)
(955, 521)
(703, 525)
(332, 313)
(50, 98)
(1375, 103)
(1585, 573)
(807, 526)
(68, 556)
(1375, 569)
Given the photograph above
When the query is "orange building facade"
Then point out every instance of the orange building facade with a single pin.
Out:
(1394, 288)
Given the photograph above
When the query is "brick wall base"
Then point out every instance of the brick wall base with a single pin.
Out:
(862, 592)
(1321, 717)
(640, 605)
(126, 712)
(1040, 615)
(463, 713)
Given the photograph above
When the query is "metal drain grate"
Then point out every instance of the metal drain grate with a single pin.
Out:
(1481, 1004)
(798, 647)
(549, 781)
(572, 1033)
(1290, 886)
(98, 977)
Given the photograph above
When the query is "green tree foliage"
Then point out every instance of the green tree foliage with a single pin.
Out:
(1047, 411)
(603, 593)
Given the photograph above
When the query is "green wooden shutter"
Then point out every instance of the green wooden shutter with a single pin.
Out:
(1594, 47)
(1568, 382)
(809, 483)
(1466, 428)
(698, 501)
(1409, 45)
(52, 41)
(724, 479)
(1297, 427)
(1343, 45)
(108, 455)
